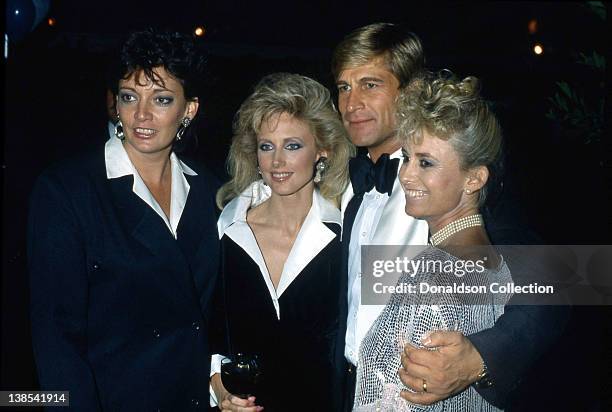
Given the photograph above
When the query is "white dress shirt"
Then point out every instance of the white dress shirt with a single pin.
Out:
(118, 164)
(380, 220)
(312, 238)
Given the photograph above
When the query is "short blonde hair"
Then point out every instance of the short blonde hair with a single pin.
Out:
(453, 110)
(306, 100)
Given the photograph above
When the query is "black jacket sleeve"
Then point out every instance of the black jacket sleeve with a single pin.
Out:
(518, 338)
(523, 333)
(59, 294)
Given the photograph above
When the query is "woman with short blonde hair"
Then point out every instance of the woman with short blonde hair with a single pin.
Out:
(450, 141)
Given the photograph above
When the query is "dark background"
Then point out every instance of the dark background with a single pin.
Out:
(55, 107)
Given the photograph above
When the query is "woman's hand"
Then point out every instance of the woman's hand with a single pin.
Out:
(229, 402)
(232, 403)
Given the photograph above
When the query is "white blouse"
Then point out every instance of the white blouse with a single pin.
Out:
(118, 164)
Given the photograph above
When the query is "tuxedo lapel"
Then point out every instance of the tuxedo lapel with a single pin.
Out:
(395, 227)
(346, 198)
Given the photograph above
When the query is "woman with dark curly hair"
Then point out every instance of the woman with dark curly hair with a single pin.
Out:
(123, 251)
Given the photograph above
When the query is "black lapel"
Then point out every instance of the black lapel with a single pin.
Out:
(137, 217)
(197, 235)
(147, 227)
(192, 225)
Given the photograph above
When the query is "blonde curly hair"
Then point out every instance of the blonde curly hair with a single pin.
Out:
(306, 100)
(453, 110)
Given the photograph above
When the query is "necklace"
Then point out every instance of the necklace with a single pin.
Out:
(454, 227)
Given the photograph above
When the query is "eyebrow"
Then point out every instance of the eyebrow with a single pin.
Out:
(425, 154)
(366, 79)
(155, 90)
(163, 89)
(371, 79)
(285, 139)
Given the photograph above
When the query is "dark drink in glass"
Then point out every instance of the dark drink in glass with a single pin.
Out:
(241, 375)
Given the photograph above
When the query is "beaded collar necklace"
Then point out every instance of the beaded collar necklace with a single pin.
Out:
(454, 227)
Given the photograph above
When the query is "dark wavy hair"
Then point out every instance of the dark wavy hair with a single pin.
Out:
(146, 50)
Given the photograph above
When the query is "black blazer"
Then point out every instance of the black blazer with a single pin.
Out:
(524, 333)
(296, 352)
(119, 307)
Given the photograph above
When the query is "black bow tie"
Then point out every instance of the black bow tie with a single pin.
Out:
(365, 175)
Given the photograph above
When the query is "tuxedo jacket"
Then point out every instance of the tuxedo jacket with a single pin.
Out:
(524, 333)
(395, 227)
(120, 307)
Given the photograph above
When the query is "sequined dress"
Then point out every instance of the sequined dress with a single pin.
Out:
(407, 317)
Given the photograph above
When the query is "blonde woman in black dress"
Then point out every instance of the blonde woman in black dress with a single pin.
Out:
(280, 234)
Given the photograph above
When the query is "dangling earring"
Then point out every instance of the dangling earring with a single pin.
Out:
(119, 130)
(320, 168)
(259, 170)
(184, 125)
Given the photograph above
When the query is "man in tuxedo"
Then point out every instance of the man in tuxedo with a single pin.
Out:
(370, 67)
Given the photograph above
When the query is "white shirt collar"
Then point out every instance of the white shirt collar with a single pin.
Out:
(257, 193)
(395, 155)
(311, 239)
(118, 164)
